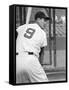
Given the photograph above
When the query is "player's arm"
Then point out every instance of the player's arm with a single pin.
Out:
(41, 55)
(44, 44)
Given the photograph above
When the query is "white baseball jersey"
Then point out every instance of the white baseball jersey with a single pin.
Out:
(30, 38)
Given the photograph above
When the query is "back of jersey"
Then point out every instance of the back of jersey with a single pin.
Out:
(30, 38)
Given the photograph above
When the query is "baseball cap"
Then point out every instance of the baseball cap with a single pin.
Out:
(41, 15)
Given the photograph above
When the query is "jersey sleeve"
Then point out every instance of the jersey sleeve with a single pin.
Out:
(44, 43)
(20, 28)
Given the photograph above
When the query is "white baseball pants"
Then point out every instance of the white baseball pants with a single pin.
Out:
(29, 69)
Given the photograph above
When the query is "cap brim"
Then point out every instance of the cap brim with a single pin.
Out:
(47, 18)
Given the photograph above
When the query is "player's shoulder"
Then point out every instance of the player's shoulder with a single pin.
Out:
(21, 27)
(27, 25)
(32, 24)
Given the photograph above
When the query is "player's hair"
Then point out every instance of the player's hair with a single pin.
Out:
(41, 15)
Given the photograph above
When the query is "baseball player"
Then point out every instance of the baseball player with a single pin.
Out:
(30, 41)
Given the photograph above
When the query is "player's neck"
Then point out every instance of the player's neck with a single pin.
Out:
(39, 24)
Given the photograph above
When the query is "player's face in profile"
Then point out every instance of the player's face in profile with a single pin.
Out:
(43, 23)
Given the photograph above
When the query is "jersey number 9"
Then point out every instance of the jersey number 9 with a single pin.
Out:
(29, 33)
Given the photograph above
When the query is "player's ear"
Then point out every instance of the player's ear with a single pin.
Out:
(38, 19)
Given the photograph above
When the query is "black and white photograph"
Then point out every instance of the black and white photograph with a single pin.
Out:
(38, 44)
